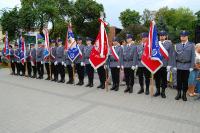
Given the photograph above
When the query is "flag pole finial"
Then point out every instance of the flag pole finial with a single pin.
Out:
(102, 15)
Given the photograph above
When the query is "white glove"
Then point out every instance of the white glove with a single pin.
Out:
(168, 68)
(136, 67)
(105, 66)
(32, 63)
(42, 62)
(18, 61)
(191, 69)
(118, 66)
(175, 69)
(55, 63)
(133, 67)
(122, 67)
(82, 64)
(63, 63)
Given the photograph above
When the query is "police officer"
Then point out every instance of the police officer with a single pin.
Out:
(161, 74)
(40, 59)
(129, 62)
(69, 69)
(33, 60)
(102, 76)
(80, 66)
(28, 60)
(60, 62)
(17, 58)
(89, 68)
(12, 59)
(184, 63)
(53, 59)
(114, 62)
(142, 70)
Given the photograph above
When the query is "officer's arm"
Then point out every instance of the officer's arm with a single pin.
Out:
(134, 56)
(174, 56)
(193, 56)
(171, 53)
(121, 57)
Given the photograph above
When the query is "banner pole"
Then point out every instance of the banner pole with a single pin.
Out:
(26, 69)
(50, 73)
(73, 70)
(106, 83)
(152, 84)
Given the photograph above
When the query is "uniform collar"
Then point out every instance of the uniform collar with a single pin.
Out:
(185, 42)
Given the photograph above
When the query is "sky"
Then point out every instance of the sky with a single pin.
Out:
(114, 7)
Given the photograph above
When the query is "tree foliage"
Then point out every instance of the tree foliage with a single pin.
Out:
(129, 17)
(34, 15)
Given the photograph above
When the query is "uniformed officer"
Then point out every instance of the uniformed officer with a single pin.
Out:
(69, 69)
(53, 59)
(33, 60)
(142, 70)
(114, 62)
(161, 74)
(17, 58)
(12, 59)
(60, 62)
(28, 60)
(129, 62)
(40, 59)
(80, 66)
(89, 68)
(184, 63)
(102, 76)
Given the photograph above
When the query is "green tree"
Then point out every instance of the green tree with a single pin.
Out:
(177, 20)
(161, 24)
(85, 17)
(10, 22)
(146, 17)
(129, 17)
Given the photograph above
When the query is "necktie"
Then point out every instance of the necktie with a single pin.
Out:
(183, 45)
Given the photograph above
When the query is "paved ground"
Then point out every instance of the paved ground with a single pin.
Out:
(38, 106)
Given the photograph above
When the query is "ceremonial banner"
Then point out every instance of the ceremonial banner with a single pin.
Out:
(72, 48)
(152, 57)
(46, 43)
(99, 52)
(6, 47)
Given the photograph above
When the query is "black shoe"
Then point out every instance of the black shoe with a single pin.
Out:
(131, 90)
(117, 88)
(178, 95)
(184, 96)
(103, 86)
(99, 86)
(79, 83)
(147, 92)
(91, 85)
(126, 90)
(163, 93)
(157, 93)
(38, 77)
(88, 85)
(68, 82)
(61, 81)
(140, 91)
(33, 77)
(48, 78)
(113, 87)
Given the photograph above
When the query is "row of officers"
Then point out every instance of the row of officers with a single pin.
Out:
(181, 59)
